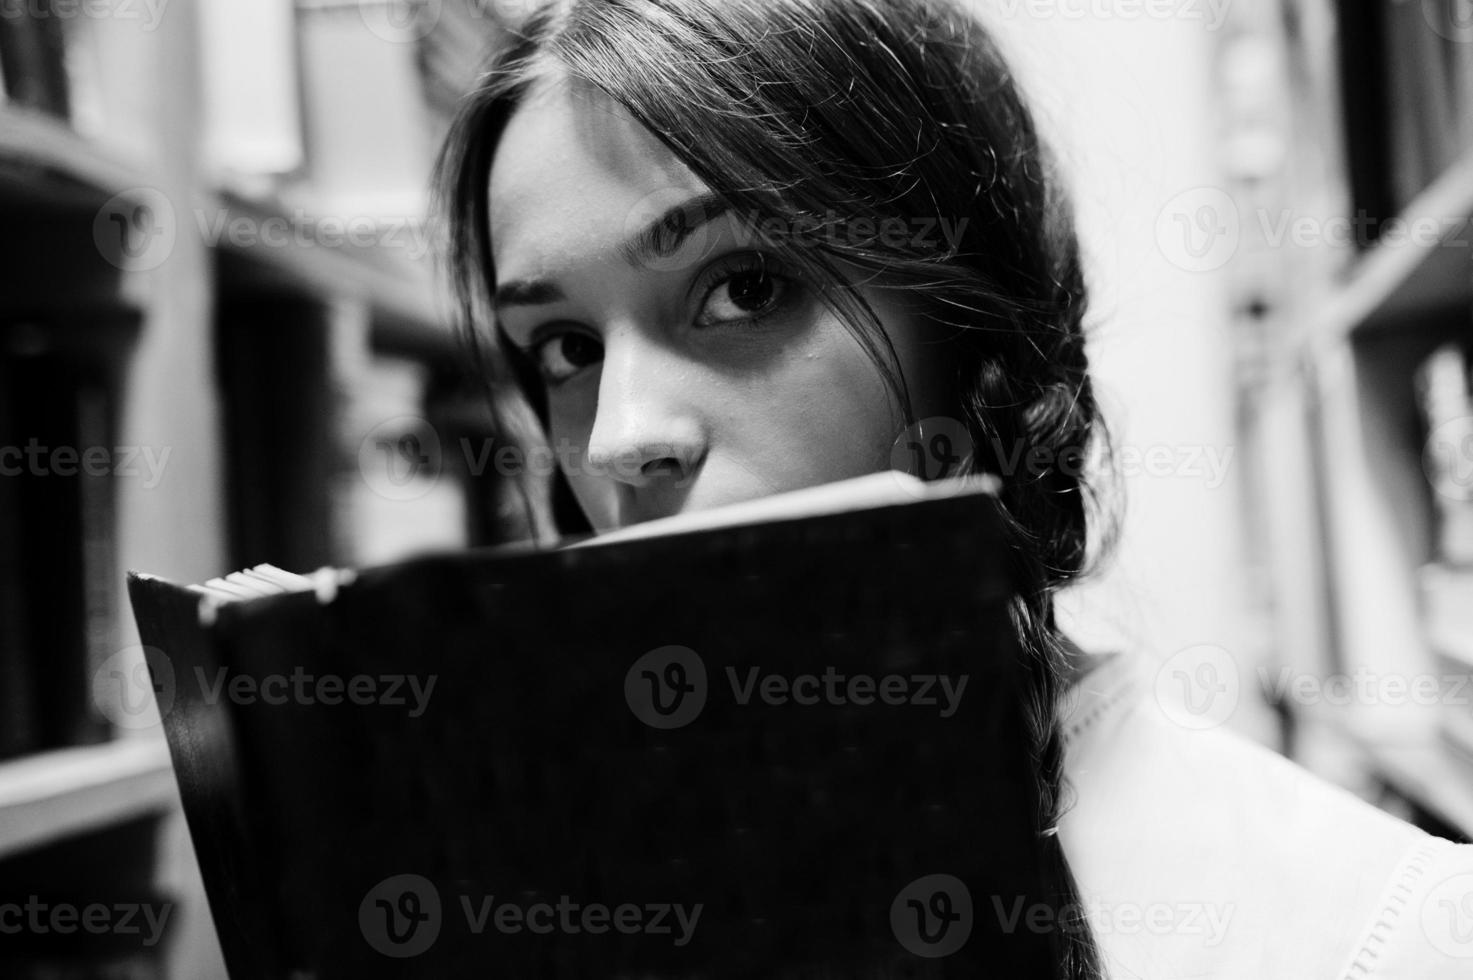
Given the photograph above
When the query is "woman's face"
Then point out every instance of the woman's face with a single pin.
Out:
(696, 373)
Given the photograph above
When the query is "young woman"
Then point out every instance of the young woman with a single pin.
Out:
(727, 248)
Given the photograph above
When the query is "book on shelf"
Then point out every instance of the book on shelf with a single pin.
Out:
(1462, 83)
(1422, 129)
(33, 59)
(399, 491)
(366, 125)
(251, 92)
(780, 738)
(89, 907)
(1429, 71)
(1405, 74)
(1444, 392)
(332, 456)
(57, 537)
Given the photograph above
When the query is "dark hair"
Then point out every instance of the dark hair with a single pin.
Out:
(817, 113)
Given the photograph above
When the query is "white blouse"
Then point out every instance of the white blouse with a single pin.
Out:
(1204, 854)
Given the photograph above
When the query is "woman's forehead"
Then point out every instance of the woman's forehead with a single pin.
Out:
(573, 164)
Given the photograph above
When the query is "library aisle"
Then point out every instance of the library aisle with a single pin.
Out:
(225, 341)
(218, 296)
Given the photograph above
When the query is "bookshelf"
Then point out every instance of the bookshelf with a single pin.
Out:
(396, 288)
(1429, 776)
(1335, 401)
(1390, 287)
(219, 350)
(44, 160)
(50, 796)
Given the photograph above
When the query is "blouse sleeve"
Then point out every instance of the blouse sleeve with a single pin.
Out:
(1422, 928)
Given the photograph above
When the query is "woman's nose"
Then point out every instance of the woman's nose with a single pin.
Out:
(646, 429)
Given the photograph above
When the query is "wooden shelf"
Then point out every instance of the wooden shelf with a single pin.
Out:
(45, 163)
(57, 794)
(1391, 286)
(47, 167)
(1416, 764)
(1432, 776)
(397, 287)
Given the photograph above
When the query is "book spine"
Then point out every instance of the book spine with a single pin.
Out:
(202, 735)
(1422, 130)
(1462, 85)
(97, 525)
(32, 53)
(17, 723)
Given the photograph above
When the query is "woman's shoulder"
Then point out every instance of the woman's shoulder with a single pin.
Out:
(1422, 927)
(1201, 853)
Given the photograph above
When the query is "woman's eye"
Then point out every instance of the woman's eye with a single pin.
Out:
(564, 355)
(742, 295)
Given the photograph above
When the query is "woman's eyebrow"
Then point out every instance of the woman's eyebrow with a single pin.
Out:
(661, 238)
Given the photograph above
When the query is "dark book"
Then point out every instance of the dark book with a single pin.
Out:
(1424, 101)
(88, 907)
(33, 58)
(58, 577)
(783, 739)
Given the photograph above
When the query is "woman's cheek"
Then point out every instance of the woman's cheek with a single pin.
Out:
(843, 412)
(570, 424)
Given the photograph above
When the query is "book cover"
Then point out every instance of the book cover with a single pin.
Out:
(789, 748)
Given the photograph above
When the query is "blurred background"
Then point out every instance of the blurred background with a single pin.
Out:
(222, 342)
